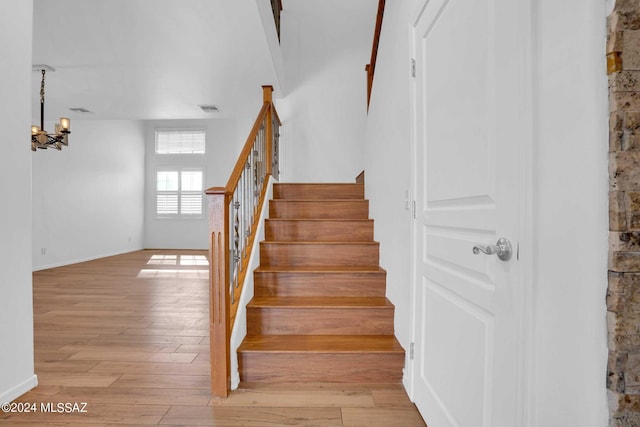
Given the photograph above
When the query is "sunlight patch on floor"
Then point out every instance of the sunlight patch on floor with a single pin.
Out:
(178, 260)
(154, 273)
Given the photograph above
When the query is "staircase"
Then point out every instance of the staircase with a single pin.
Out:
(319, 312)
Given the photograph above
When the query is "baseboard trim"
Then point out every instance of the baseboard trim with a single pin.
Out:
(91, 258)
(19, 390)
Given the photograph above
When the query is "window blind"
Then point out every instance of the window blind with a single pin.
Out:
(180, 141)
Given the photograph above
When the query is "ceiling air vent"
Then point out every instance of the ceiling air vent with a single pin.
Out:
(79, 110)
(210, 108)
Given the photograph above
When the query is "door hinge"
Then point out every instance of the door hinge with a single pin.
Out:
(411, 346)
(413, 209)
(413, 67)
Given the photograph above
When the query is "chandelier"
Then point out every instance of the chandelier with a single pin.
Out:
(39, 137)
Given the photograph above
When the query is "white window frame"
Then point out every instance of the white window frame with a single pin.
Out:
(179, 193)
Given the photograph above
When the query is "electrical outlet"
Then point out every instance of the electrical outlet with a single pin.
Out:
(43, 251)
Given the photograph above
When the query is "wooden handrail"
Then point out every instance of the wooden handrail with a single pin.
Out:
(370, 68)
(248, 146)
(234, 211)
(276, 7)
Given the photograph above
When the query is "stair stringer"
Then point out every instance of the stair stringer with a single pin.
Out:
(239, 329)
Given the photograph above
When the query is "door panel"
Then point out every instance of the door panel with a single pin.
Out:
(469, 351)
(456, 50)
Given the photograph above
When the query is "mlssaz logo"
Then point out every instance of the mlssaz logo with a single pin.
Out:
(64, 407)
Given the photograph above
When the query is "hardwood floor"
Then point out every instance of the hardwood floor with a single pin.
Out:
(128, 336)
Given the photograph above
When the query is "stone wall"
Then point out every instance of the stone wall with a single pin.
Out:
(623, 297)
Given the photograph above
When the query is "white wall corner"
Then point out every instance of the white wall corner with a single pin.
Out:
(16, 303)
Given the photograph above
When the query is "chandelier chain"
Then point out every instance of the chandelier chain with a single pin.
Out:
(42, 88)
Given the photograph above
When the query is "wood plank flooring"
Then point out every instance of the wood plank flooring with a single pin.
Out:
(128, 335)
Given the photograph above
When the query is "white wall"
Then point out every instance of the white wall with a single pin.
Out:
(325, 47)
(225, 138)
(16, 308)
(570, 187)
(570, 214)
(88, 198)
(387, 166)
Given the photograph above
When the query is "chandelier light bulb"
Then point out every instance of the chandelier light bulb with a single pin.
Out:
(65, 125)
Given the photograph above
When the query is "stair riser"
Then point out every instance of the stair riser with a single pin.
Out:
(320, 321)
(285, 284)
(323, 367)
(318, 191)
(316, 209)
(318, 231)
(319, 255)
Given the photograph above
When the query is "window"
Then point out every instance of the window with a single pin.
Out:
(180, 141)
(179, 193)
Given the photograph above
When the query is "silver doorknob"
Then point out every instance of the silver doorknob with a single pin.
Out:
(502, 248)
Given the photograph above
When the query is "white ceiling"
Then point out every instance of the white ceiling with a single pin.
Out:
(149, 59)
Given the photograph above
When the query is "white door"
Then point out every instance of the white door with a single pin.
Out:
(471, 115)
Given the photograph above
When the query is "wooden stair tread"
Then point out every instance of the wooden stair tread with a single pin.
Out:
(320, 302)
(321, 344)
(319, 269)
(303, 280)
(311, 200)
(319, 229)
(311, 184)
(318, 184)
(320, 242)
(319, 208)
(318, 190)
(343, 253)
(321, 219)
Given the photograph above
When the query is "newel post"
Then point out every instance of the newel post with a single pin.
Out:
(267, 98)
(220, 331)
